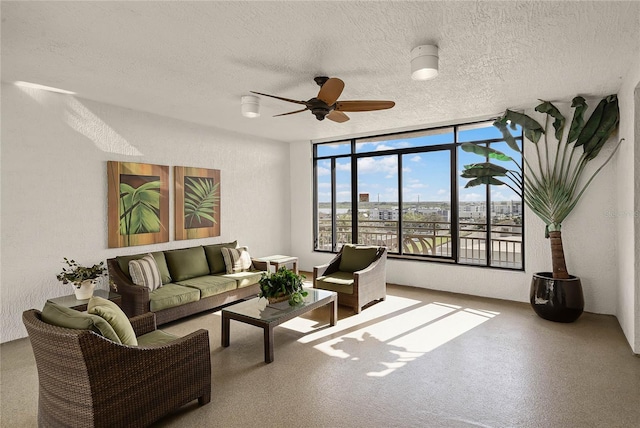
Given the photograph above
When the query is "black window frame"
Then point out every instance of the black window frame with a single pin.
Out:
(453, 149)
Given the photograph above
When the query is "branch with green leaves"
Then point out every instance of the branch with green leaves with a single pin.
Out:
(552, 187)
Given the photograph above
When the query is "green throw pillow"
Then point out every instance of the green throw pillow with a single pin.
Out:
(112, 313)
(61, 316)
(355, 258)
(187, 263)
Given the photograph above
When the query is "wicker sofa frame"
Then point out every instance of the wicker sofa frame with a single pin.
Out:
(86, 380)
(369, 284)
(135, 299)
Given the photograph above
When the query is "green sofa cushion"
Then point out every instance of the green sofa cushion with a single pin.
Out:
(61, 316)
(214, 256)
(341, 282)
(112, 313)
(355, 258)
(155, 338)
(123, 262)
(171, 295)
(246, 278)
(210, 285)
(187, 263)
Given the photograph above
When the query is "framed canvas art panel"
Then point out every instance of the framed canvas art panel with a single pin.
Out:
(138, 209)
(197, 202)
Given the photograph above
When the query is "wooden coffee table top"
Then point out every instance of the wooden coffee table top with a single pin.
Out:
(260, 313)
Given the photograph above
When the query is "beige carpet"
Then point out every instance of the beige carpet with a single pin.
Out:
(419, 359)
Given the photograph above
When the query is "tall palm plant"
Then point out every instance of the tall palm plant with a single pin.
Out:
(550, 176)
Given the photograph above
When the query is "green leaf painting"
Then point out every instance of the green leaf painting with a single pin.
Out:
(139, 204)
(201, 198)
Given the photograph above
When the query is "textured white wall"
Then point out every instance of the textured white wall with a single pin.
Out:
(590, 246)
(54, 187)
(627, 211)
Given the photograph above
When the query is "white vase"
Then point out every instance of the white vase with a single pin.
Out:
(86, 289)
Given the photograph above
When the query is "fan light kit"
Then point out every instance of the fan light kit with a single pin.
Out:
(250, 106)
(326, 103)
(424, 62)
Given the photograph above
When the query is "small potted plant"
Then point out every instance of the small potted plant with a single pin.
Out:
(282, 285)
(82, 278)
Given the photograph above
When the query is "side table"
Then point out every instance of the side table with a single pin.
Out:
(71, 302)
(279, 260)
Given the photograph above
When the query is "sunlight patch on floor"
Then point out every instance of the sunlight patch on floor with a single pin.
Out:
(401, 338)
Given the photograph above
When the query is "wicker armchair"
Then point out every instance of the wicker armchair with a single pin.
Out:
(89, 381)
(355, 288)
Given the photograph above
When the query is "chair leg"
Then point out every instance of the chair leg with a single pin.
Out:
(204, 399)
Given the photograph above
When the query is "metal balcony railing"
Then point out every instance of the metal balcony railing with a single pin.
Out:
(432, 238)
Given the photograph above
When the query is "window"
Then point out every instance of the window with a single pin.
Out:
(404, 191)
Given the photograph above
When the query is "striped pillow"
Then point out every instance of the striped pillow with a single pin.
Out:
(236, 259)
(145, 272)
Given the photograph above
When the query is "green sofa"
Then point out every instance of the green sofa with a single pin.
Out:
(193, 280)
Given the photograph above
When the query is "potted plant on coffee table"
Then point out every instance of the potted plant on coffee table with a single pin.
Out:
(550, 179)
(282, 285)
(82, 278)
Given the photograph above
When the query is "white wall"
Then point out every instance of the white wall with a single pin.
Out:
(627, 211)
(590, 248)
(54, 188)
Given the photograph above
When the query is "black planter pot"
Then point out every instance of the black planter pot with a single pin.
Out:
(559, 300)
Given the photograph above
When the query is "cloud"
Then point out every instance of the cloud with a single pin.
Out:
(386, 164)
(416, 158)
(323, 171)
(443, 192)
(324, 185)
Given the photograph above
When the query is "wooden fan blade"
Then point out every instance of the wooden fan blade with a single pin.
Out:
(291, 112)
(363, 105)
(331, 90)
(280, 98)
(337, 116)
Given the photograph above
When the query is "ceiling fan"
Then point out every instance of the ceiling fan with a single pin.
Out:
(326, 104)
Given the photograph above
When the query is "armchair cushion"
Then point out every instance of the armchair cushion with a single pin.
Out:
(145, 272)
(355, 258)
(214, 256)
(61, 316)
(236, 259)
(112, 313)
(341, 282)
(187, 263)
(156, 337)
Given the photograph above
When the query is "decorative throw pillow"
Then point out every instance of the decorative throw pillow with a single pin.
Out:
(112, 313)
(61, 316)
(236, 259)
(145, 272)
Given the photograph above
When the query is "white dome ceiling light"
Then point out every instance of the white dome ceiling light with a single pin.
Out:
(424, 62)
(250, 106)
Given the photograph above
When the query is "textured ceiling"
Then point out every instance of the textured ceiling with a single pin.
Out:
(194, 60)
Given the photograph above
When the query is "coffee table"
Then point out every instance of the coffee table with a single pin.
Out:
(260, 313)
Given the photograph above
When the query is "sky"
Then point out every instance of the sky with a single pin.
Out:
(425, 176)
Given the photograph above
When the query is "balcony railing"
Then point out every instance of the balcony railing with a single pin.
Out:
(432, 238)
